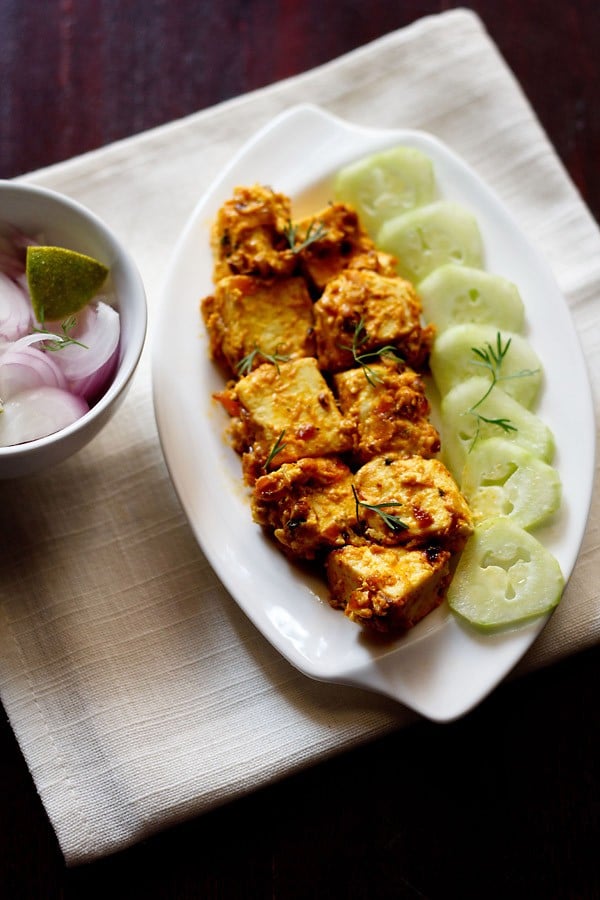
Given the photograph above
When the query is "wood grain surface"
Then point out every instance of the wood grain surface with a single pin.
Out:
(501, 804)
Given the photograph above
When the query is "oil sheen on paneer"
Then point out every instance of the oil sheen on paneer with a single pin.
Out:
(334, 240)
(388, 409)
(249, 319)
(251, 234)
(387, 588)
(420, 494)
(368, 311)
(308, 505)
(283, 413)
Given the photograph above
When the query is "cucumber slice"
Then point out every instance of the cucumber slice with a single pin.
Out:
(385, 185)
(455, 295)
(517, 367)
(431, 236)
(502, 479)
(463, 426)
(504, 577)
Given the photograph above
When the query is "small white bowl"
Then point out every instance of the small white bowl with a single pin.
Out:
(65, 223)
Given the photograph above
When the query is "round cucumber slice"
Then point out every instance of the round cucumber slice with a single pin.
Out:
(502, 479)
(385, 185)
(504, 577)
(431, 236)
(455, 295)
(466, 421)
(467, 350)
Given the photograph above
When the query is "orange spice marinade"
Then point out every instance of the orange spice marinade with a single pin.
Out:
(323, 354)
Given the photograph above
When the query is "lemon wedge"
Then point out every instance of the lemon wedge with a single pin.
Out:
(61, 282)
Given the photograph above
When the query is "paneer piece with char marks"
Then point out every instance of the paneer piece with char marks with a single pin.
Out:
(249, 319)
(335, 240)
(371, 311)
(389, 410)
(420, 494)
(288, 408)
(308, 506)
(387, 589)
(250, 235)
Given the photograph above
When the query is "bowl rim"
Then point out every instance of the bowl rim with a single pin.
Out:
(129, 356)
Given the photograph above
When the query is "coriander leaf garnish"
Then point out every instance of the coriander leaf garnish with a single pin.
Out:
(277, 447)
(492, 358)
(63, 339)
(394, 523)
(246, 363)
(315, 231)
(358, 339)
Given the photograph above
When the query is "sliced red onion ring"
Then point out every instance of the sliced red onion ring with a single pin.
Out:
(11, 266)
(35, 337)
(87, 368)
(15, 310)
(43, 389)
(38, 412)
(13, 253)
(23, 368)
(92, 387)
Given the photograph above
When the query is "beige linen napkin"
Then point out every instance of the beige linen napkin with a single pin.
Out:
(138, 691)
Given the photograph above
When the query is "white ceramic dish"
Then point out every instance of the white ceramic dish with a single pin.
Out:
(440, 669)
(66, 223)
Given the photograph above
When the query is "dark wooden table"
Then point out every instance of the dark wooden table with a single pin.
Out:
(501, 804)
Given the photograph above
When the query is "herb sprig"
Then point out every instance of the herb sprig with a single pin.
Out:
(315, 231)
(247, 362)
(393, 522)
(64, 338)
(492, 358)
(277, 447)
(359, 338)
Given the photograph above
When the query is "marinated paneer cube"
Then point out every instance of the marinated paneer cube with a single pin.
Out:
(389, 409)
(308, 505)
(411, 501)
(325, 348)
(254, 320)
(333, 240)
(361, 312)
(251, 234)
(284, 413)
(387, 588)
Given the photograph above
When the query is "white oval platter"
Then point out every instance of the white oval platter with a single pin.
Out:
(441, 668)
